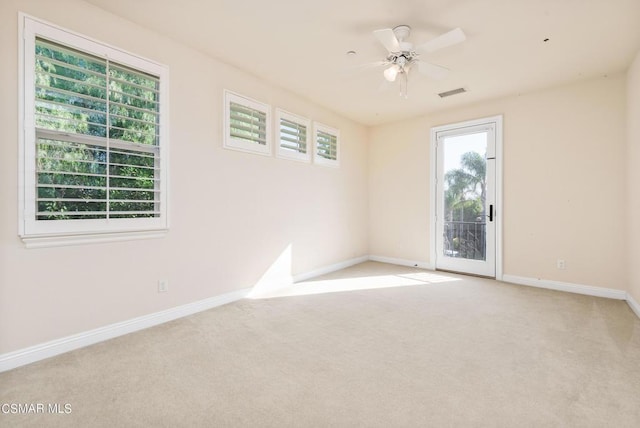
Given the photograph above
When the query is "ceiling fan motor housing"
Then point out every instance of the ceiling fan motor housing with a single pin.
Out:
(402, 59)
(402, 32)
(406, 56)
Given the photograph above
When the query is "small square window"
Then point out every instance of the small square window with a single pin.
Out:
(293, 136)
(247, 124)
(327, 145)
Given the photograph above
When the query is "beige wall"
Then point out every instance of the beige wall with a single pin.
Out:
(564, 183)
(633, 173)
(232, 214)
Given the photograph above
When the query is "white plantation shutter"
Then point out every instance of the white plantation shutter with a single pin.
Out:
(327, 145)
(79, 180)
(247, 125)
(293, 136)
(97, 140)
(327, 149)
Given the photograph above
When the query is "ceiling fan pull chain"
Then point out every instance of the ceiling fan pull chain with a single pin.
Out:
(404, 85)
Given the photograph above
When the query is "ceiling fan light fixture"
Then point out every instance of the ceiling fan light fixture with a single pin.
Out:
(391, 73)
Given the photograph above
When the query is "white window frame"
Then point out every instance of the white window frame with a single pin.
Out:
(232, 143)
(319, 160)
(38, 233)
(299, 120)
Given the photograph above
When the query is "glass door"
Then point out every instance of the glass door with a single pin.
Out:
(465, 204)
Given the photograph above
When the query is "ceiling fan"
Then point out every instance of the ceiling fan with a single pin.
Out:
(402, 56)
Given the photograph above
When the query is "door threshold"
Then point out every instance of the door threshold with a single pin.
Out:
(466, 274)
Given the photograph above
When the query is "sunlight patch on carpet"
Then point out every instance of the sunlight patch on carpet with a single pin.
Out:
(360, 283)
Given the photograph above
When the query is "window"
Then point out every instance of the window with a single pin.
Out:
(327, 151)
(95, 137)
(293, 136)
(247, 124)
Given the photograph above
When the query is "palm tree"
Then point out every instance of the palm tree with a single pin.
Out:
(466, 186)
(476, 165)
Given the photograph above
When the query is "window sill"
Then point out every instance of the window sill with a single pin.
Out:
(45, 241)
(327, 162)
(248, 148)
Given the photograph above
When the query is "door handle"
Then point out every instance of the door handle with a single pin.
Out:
(490, 212)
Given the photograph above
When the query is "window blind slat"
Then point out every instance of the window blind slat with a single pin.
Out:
(113, 93)
(77, 96)
(47, 76)
(297, 141)
(77, 54)
(292, 147)
(253, 139)
(69, 186)
(71, 200)
(141, 121)
(248, 120)
(299, 134)
(69, 173)
(116, 105)
(43, 60)
(250, 128)
(50, 104)
(240, 109)
(69, 121)
(124, 70)
(71, 213)
(154, 90)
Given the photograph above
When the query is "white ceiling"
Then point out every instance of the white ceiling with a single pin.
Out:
(301, 45)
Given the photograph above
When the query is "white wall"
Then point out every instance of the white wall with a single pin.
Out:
(564, 183)
(633, 169)
(232, 214)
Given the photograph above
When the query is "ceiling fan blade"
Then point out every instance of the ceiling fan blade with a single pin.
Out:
(451, 38)
(368, 65)
(388, 39)
(357, 70)
(432, 70)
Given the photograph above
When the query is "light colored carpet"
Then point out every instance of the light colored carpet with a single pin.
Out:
(447, 351)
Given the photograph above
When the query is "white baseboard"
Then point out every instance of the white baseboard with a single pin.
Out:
(328, 269)
(39, 352)
(589, 290)
(635, 307)
(401, 262)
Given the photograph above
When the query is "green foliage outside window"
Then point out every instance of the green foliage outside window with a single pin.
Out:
(108, 168)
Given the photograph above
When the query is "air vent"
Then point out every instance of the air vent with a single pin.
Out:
(452, 92)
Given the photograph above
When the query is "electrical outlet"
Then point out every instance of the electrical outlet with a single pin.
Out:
(561, 264)
(163, 285)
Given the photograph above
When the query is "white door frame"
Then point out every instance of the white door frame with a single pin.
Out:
(433, 194)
